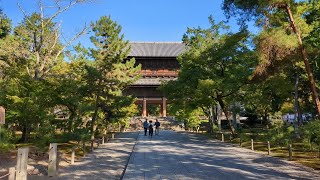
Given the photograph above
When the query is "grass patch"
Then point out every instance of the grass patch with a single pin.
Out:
(301, 154)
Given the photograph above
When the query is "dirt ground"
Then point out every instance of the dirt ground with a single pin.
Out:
(37, 163)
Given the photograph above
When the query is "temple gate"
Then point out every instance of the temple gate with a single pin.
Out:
(159, 63)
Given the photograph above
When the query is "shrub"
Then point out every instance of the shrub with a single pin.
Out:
(281, 134)
(6, 135)
(5, 147)
(311, 133)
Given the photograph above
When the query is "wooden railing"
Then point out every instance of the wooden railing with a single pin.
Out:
(158, 73)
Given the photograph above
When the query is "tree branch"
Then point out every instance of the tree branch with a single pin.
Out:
(63, 48)
(24, 13)
(61, 10)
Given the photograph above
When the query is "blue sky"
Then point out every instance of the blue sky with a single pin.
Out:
(141, 20)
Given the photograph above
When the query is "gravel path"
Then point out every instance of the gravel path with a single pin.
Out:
(178, 155)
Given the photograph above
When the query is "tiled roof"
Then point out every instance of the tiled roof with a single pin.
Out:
(156, 49)
(152, 81)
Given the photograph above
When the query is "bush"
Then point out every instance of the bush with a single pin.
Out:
(6, 135)
(5, 147)
(281, 134)
(311, 133)
(78, 135)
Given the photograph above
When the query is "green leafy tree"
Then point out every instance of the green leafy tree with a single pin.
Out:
(282, 20)
(5, 25)
(263, 97)
(30, 59)
(213, 69)
(111, 72)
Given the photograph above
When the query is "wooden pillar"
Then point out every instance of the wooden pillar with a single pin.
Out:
(53, 160)
(164, 107)
(22, 163)
(144, 108)
(161, 109)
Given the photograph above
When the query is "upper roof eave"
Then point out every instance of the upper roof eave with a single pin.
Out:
(156, 49)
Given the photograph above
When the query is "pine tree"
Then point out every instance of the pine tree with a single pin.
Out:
(5, 25)
(111, 73)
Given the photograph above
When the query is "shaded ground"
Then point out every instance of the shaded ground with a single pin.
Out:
(175, 155)
(107, 162)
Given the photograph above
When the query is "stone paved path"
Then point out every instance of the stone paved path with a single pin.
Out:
(107, 162)
(177, 155)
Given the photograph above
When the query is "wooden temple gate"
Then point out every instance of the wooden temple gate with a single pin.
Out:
(158, 63)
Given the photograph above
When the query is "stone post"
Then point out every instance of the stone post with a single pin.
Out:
(22, 163)
(112, 135)
(73, 155)
(12, 173)
(53, 160)
(222, 137)
(252, 148)
(103, 140)
(269, 151)
(290, 152)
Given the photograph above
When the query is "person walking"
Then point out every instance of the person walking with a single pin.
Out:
(150, 128)
(157, 124)
(145, 126)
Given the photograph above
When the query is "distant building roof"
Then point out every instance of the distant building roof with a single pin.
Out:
(156, 49)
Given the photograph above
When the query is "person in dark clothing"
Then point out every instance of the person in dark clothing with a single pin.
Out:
(157, 124)
(145, 126)
(150, 128)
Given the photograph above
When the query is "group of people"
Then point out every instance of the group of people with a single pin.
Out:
(149, 126)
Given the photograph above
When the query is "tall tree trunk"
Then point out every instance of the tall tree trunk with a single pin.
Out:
(305, 60)
(71, 119)
(25, 134)
(211, 119)
(94, 118)
(223, 108)
(95, 114)
(296, 106)
(218, 113)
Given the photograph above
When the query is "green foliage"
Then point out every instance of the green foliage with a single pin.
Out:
(185, 114)
(110, 74)
(289, 32)
(281, 134)
(5, 25)
(6, 135)
(6, 147)
(213, 69)
(311, 132)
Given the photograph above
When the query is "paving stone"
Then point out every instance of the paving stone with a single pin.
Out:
(106, 162)
(183, 156)
(179, 156)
